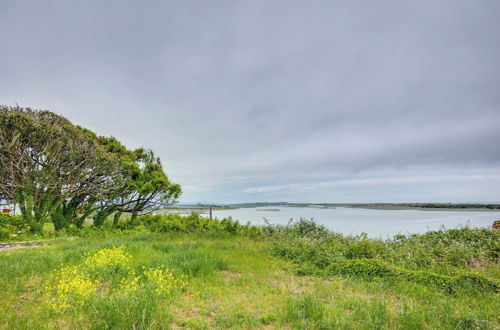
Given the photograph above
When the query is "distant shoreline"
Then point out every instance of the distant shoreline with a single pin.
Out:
(375, 206)
(395, 207)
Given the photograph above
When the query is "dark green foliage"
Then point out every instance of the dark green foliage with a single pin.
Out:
(454, 206)
(462, 247)
(14, 220)
(52, 170)
(163, 223)
(45, 161)
(59, 220)
(12, 226)
(458, 247)
(376, 269)
(439, 259)
(6, 232)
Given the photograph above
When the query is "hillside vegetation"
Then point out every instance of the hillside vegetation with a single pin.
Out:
(192, 272)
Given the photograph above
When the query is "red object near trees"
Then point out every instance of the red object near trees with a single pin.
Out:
(6, 211)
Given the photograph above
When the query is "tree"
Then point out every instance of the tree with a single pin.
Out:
(52, 168)
(46, 161)
(145, 186)
(149, 187)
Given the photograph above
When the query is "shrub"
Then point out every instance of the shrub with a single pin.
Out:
(6, 231)
(163, 223)
(364, 248)
(371, 269)
(12, 220)
(440, 259)
(12, 227)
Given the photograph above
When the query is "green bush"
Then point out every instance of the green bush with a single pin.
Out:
(163, 223)
(439, 259)
(443, 249)
(372, 269)
(364, 248)
(6, 231)
(12, 227)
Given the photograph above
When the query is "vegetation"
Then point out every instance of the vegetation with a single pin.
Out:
(221, 274)
(440, 259)
(58, 172)
(107, 275)
(424, 205)
(455, 206)
(13, 228)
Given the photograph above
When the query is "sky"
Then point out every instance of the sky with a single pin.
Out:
(267, 100)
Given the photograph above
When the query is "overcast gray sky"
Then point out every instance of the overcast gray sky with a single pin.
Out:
(301, 101)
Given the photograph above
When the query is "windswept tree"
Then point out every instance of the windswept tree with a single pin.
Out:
(144, 187)
(45, 160)
(148, 187)
(51, 168)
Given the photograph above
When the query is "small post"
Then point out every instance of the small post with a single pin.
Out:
(210, 209)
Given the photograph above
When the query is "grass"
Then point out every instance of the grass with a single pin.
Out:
(234, 282)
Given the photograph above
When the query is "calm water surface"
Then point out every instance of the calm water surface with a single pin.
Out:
(376, 223)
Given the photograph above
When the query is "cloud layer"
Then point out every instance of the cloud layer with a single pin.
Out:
(326, 101)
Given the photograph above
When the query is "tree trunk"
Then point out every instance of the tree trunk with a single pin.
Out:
(101, 216)
(116, 218)
(133, 218)
(59, 220)
(81, 220)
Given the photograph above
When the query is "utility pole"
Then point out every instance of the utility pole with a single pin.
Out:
(210, 209)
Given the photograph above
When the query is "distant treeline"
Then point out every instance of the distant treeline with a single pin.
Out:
(360, 205)
(414, 205)
(454, 206)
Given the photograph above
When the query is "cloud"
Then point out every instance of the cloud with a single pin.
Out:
(238, 96)
(363, 182)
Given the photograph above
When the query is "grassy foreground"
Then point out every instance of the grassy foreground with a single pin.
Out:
(233, 282)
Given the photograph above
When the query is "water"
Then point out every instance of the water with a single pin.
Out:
(375, 223)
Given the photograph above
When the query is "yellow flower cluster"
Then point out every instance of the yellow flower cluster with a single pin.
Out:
(107, 262)
(71, 288)
(163, 281)
(128, 285)
(108, 273)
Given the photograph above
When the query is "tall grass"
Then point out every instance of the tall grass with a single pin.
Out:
(237, 281)
(446, 252)
(26, 272)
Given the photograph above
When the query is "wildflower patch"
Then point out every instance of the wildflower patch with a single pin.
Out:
(107, 274)
(72, 288)
(162, 281)
(107, 263)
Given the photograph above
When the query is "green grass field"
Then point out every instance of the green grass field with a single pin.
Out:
(233, 282)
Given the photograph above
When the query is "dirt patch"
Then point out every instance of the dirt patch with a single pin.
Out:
(229, 275)
(18, 245)
(184, 314)
(29, 244)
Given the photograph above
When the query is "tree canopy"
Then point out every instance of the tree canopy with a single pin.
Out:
(51, 168)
